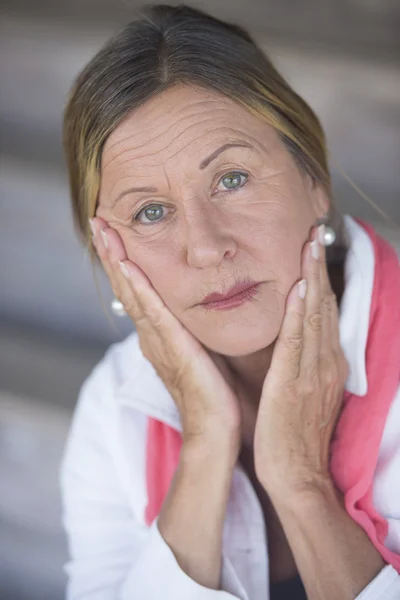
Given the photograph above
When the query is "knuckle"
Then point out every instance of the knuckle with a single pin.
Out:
(314, 321)
(293, 342)
(326, 304)
(129, 307)
(153, 316)
(157, 319)
(138, 317)
(331, 377)
(143, 313)
(292, 390)
(307, 387)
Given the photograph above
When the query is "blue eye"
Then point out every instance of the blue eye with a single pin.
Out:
(233, 180)
(152, 214)
(155, 213)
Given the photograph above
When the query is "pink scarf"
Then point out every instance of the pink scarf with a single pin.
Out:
(358, 434)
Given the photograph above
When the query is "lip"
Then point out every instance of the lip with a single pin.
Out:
(240, 291)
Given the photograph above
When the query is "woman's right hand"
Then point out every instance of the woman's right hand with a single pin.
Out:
(199, 381)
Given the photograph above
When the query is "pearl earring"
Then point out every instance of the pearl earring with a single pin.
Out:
(329, 235)
(117, 308)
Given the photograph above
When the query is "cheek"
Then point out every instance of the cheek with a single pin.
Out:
(287, 260)
(276, 239)
(157, 265)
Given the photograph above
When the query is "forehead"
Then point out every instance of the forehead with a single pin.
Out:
(180, 118)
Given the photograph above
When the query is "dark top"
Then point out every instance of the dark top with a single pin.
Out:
(291, 589)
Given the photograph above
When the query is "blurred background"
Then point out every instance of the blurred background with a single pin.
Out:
(343, 56)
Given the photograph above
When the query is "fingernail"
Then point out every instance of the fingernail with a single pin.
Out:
(124, 269)
(321, 234)
(104, 238)
(314, 249)
(302, 288)
(92, 227)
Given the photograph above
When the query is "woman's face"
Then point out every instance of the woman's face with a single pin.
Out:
(220, 200)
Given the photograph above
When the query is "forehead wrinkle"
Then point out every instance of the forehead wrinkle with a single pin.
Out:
(166, 131)
(213, 130)
(163, 164)
(180, 112)
(181, 149)
(137, 148)
(152, 128)
(167, 178)
(236, 134)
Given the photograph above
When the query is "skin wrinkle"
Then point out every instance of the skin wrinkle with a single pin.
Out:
(209, 239)
(161, 133)
(172, 156)
(149, 141)
(156, 165)
(157, 117)
(204, 164)
(251, 153)
(170, 127)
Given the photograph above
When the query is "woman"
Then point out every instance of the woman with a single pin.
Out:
(243, 442)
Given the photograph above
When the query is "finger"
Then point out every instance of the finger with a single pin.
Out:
(123, 286)
(96, 225)
(312, 318)
(111, 251)
(326, 308)
(134, 289)
(331, 332)
(138, 293)
(331, 353)
(288, 346)
(102, 244)
(100, 240)
(335, 325)
(150, 313)
(326, 287)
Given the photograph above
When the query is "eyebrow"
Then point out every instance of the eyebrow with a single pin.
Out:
(204, 163)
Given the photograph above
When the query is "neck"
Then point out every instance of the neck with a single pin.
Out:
(251, 371)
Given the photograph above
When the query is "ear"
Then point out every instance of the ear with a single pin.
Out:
(319, 197)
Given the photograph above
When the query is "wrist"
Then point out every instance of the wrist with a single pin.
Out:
(307, 496)
(210, 450)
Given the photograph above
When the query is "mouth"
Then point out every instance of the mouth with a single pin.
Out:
(235, 297)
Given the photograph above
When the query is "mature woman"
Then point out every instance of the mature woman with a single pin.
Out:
(244, 441)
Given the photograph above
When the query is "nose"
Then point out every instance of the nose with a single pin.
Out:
(206, 238)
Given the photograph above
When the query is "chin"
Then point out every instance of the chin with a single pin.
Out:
(240, 331)
(238, 338)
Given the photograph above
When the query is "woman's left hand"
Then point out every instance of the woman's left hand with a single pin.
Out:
(303, 390)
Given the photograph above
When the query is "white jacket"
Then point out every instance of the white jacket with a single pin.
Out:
(114, 554)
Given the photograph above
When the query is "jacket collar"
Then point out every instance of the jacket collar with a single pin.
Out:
(145, 391)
